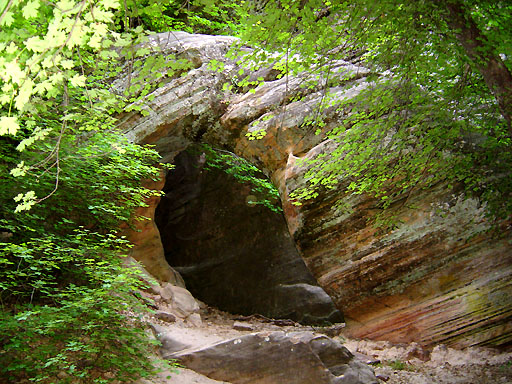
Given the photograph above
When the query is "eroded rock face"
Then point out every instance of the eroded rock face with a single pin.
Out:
(435, 278)
(233, 255)
(427, 281)
(145, 236)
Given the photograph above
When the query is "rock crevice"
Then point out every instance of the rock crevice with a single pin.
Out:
(233, 255)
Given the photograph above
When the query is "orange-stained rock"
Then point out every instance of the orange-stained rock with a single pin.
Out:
(145, 237)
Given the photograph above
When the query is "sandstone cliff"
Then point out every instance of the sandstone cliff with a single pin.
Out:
(437, 277)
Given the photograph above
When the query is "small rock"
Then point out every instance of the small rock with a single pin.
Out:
(5, 235)
(62, 375)
(167, 293)
(165, 316)
(239, 326)
(416, 351)
(382, 377)
(183, 301)
(366, 359)
(382, 345)
(109, 375)
(195, 320)
(153, 289)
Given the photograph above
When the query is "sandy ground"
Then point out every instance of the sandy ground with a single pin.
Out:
(410, 364)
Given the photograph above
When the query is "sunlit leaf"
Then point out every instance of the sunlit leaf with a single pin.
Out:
(30, 10)
(9, 125)
(78, 80)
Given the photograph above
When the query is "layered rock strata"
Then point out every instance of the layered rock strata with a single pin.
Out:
(436, 277)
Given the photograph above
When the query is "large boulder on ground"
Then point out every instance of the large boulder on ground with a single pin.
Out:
(275, 358)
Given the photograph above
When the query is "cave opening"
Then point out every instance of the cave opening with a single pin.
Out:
(233, 254)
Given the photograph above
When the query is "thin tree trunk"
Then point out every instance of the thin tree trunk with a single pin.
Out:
(496, 75)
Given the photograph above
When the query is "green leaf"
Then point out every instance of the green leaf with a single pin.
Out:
(78, 80)
(65, 5)
(13, 72)
(107, 4)
(30, 10)
(11, 48)
(24, 94)
(9, 125)
(8, 19)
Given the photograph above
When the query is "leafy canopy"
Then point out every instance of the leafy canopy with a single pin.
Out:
(244, 172)
(438, 103)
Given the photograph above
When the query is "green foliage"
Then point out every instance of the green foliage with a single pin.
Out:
(72, 313)
(68, 307)
(97, 186)
(69, 179)
(428, 115)
(399, 365)
(194, 16)
(244, 172)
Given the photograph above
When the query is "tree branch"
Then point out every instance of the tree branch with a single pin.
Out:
(496, 75)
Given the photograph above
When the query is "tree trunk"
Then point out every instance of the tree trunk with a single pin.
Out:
(496, 75)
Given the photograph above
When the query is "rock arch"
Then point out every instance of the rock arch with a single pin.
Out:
(423, 281)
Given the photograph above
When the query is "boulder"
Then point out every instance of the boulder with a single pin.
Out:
(307, 303)
(183, 302)
(166, 292)
(276, 358)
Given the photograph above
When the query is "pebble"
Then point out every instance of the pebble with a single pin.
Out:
(382, 377)
(165, 316)
(242, 326)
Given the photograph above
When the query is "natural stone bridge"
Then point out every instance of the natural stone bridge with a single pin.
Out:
(437, 278)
